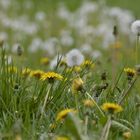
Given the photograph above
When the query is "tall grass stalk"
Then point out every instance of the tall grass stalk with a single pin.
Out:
(137, 49)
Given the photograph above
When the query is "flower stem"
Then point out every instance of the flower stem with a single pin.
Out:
(86, 124)
(95, 104)
(127, 91)
(45, 101)
(136, 53)
(76, 102)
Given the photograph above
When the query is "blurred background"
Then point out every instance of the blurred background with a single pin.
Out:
(57, 26)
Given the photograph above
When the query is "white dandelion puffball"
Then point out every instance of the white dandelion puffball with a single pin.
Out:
(74, 58)
(135, 27)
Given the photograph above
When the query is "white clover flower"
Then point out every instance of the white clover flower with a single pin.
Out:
(74, 58)
(135, 27)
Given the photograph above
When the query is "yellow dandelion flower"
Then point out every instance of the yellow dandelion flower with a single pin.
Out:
(77, 85)
(51, 76)
(62, 138)
(36, 73)
(127, 135)
(88, 103)
(129, 71)
(12, 69)
(62, 114)
(26, 72)
(111, 107)
(44, 61)
(88, 64)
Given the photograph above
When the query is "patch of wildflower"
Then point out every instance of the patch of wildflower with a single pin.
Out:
(111, 108)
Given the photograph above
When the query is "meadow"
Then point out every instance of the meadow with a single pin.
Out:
(69, 70)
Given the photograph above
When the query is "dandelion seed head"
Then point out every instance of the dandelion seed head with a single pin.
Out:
(135, 27)
(74, 58)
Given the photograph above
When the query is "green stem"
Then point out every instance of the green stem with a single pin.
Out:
(105, 132)
(127, 91)
(86, 124)
(95, 104)
(136, 53)
(45, 101)
(76, 102)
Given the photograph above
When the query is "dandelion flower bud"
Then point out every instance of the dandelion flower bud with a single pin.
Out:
(115, 31)
(88, 103)
(130, 73)
(19, 50)
(127, 135)
(77, 85)
(135, 27)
